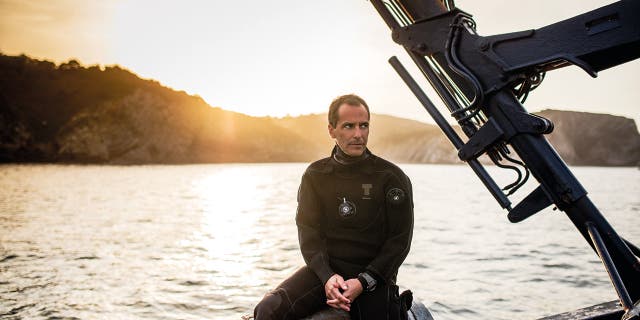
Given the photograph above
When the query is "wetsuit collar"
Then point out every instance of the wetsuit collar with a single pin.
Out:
(342, 158)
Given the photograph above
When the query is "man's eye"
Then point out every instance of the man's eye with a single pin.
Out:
(364, 126)
(348, 126)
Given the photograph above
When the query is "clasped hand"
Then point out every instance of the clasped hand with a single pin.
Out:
(341, 293)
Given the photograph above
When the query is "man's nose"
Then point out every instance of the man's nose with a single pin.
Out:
(358, 133)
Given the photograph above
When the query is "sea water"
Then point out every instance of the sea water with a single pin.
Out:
(207, 241)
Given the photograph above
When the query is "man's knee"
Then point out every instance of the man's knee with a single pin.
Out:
(274, 305)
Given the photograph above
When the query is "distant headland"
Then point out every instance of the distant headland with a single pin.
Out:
(70, 113)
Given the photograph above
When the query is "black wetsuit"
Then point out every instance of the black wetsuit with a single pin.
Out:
(354, 215)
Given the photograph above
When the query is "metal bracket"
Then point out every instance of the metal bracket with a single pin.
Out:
(530, 205)
(478, 143)
(524, 122)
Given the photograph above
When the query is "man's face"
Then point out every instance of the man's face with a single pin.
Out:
(352, 129)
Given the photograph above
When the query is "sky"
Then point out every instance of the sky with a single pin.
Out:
(287, 57)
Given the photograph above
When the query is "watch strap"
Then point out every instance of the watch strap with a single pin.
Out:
(368, 282)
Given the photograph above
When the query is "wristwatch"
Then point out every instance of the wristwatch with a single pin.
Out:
(368, 282)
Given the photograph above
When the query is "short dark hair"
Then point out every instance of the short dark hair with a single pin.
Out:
(350, 99)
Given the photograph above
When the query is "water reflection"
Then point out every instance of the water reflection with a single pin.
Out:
(207, 241)
(240, 209)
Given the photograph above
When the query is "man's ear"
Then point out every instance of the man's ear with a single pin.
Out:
(331, 133)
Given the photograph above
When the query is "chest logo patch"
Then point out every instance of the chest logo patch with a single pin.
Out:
(366, 190)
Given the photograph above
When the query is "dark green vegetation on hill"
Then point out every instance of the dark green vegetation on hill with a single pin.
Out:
(72, 113)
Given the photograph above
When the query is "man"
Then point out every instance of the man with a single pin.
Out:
(355, 223)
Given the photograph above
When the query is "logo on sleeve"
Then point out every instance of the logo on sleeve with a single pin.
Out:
(395, 196)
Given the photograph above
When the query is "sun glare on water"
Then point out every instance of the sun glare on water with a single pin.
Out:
(238, 213)
(228, 199)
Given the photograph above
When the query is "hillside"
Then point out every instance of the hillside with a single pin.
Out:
(70, 113)
(75, 114)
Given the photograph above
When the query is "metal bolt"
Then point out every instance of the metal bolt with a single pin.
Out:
(484, 45)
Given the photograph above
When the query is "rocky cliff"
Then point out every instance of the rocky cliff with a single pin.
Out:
(72, 113)
(591, 139)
